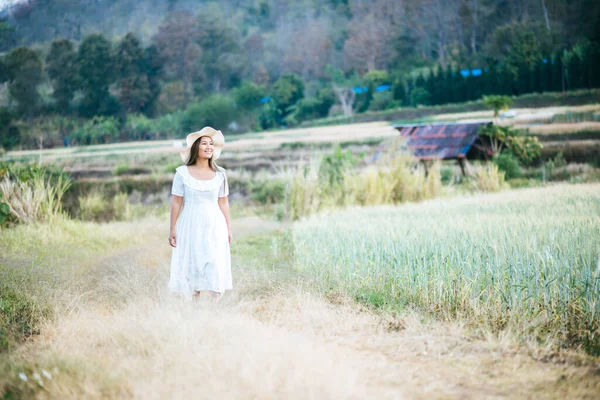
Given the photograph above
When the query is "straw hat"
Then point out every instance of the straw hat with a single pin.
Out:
(215, 135)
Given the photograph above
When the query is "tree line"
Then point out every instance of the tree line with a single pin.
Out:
(252, 65)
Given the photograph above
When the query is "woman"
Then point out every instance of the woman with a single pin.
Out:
(201, 231)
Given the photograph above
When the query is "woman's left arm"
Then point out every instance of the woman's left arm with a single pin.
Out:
(224, 205)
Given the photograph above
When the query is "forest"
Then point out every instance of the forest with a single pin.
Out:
(101, 71)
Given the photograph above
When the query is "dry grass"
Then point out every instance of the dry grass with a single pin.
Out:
(124, 337)
(551, 129)
(524, 115)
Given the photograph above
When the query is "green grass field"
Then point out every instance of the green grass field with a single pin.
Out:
(524, 260)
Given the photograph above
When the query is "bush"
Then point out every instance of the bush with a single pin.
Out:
(98, 130)
(272, 191)
(217, 111)
(420, 97)
(508, 164)
(383, 101)
(20, 317)
(139, 127)
(247, 97)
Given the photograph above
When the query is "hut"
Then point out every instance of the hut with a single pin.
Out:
(459, 141)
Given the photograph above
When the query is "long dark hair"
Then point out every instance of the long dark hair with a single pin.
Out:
(194, 155)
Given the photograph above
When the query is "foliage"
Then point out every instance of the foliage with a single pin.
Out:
(129, 67)
(139, 127)
(286, 92)
(508, 164)
(24, 68)
(498, 136)
(268, 191)
(270, 115)
(4, 211)
(333, 167)
(497, 103)
(7, 36)
(20, 316)
(61, 66)
(525, 148)
(172, 97)
(97, 130)
(217, 111)
(10, 135)
(316, 107)
(96, 71)
(248, 95)
(420, 97)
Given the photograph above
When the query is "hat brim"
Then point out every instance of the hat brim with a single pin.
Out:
(215, 135)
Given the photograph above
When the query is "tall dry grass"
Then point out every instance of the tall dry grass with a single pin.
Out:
(395, 178)
(36, 199)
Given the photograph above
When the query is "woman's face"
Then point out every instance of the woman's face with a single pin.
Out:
(206, 148)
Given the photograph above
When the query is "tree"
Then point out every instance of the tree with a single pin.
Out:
(96, 71)
(7, 36)
(10, 135)
(497, 103)
(247, 96)
(61, 66)
(374, 26)
(286, 92)
(176, 44)
(344, 89)
(217, 111)
(312, 49)
(130, 70)
(24, 69)
(221, 60)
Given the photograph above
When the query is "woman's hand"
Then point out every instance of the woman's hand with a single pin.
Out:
(229, 235)
(172, 239)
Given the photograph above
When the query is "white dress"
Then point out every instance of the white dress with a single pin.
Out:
(201, 259)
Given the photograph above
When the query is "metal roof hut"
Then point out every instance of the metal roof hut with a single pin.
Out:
(458, 141)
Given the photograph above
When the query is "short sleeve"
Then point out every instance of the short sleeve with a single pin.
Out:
(224, 189)
(177, 188)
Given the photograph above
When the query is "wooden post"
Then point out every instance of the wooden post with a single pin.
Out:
(462, 161)
(426, 165)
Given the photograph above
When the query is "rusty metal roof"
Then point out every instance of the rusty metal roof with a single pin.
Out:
(440, 141)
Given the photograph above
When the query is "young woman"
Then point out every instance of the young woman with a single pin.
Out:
(200, 228)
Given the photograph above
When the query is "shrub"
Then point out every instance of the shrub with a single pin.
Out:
(286, 92)
(508, 164)
(97, 130)
(121, 169)
(271, 191)
(20, 317)
(139, 127)
(217, 111)
(382, 101)
(247, 97)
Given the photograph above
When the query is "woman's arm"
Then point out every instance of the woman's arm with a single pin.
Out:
(176, 202)
(224, 205)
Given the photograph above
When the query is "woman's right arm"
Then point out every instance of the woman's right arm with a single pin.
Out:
(176, 203)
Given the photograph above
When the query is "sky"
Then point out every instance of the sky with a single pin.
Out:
(6, 3)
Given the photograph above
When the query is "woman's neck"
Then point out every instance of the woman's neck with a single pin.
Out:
(202, 163)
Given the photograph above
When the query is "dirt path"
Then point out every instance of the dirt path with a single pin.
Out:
(275, 338)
